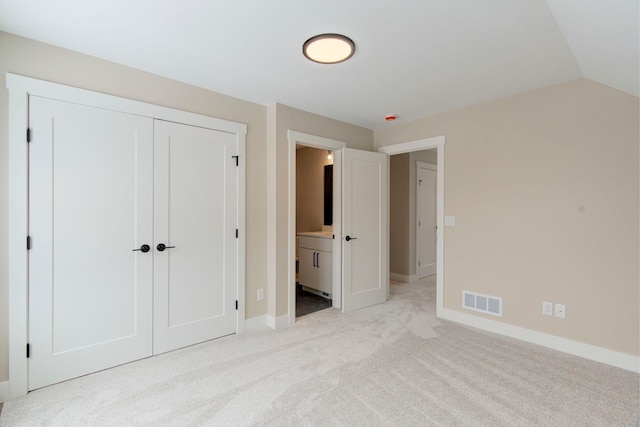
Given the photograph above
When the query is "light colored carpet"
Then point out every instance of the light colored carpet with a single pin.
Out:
(392, 364)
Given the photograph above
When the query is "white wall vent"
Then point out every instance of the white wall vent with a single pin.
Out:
(483, 303)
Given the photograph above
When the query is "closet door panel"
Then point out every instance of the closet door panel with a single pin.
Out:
(195, 217)
(90, 200)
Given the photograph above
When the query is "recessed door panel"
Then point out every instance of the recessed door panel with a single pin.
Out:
(90, 204)
(196, 218)
(365, 228)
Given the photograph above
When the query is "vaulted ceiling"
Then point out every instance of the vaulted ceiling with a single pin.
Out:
(413, 57)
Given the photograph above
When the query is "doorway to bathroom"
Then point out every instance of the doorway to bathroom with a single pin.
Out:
(314, 229)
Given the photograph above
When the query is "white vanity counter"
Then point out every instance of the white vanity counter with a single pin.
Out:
(315, 261)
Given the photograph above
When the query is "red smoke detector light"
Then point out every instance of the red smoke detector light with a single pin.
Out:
(391, 117)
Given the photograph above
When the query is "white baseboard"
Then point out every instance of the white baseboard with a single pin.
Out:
(278, 323)
(4, 391)
(256, 323)
(403, 278)
(586, 351)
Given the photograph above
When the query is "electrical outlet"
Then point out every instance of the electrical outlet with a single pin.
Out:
(547, 308)
(561, 311)
(260, 294)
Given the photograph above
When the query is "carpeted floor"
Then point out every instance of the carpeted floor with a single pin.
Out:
(392, 364)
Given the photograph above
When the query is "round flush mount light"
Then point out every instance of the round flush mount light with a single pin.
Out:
(328, 48)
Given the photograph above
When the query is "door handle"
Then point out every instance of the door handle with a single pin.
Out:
(314, 259)
(348, 238)
(143, 248)
(161, 247)
(318, 259)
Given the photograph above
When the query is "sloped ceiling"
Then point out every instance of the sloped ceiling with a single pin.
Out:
(413, 57)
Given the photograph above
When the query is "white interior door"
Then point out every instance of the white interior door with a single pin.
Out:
(195, 278)
(90, 205)
(365, 210)
(426, 219)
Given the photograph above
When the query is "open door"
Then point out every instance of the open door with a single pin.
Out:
(365, 236)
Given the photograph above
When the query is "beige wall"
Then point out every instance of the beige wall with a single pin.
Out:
(545, 190)
(34, 59)
(310, 163)
(288, 118)
(399, 214)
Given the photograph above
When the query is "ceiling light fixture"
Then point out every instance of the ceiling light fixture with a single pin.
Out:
(328, 48)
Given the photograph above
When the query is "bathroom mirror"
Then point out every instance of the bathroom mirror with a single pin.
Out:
(328, 195)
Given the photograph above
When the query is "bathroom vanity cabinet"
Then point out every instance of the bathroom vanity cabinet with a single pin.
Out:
(316, 262)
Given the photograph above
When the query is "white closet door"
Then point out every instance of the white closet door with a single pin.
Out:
(90, 205)
(195, 280)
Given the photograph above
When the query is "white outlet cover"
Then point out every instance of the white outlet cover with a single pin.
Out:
(547, 308)
(260, 294)
(561, 311)
(450, 221)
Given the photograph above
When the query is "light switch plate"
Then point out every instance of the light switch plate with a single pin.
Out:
(547, 308)
(450, 221)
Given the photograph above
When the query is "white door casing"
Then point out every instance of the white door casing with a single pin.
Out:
(365, 222)
(21, 90)
(437, 142)
(426, 184)
(90, 205)
(315, 141)
(195, 217)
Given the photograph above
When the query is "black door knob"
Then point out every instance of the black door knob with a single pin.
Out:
(161, 247)
(143, 248)
(348, 238)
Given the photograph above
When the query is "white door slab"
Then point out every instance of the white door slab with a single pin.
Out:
(365, 209)
(426, 219)
(90, 205)
(195, 282)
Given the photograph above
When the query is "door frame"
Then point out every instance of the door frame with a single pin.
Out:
(438, 143)
(299, 138)
(20, 87)
(430, 166)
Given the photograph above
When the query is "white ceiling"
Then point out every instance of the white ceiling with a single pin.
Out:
(413, 57)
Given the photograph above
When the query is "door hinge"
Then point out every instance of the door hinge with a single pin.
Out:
(28, 350)
(28, 242)
(236, 233)
(236, 157)
(28, 135)
(236, 304)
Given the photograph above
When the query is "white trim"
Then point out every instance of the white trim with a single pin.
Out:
(61, 92)
(437, 142)
(20, 88)
(426, 165)
(256, 323)
(4, 391)
(299, 138)
(432, 167)
(586, 351)
(242, 233)
(277, 323)
(403, 277)
(411, 146)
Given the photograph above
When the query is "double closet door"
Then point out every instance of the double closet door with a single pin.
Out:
(133, 249)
